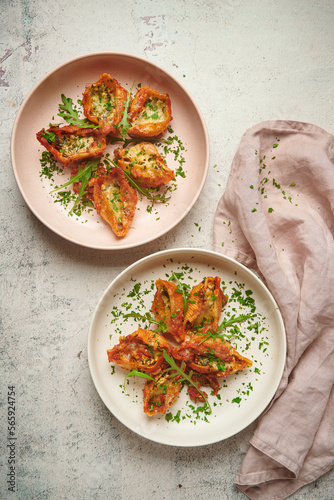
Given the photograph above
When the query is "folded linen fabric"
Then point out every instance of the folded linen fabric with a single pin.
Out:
(276, 216)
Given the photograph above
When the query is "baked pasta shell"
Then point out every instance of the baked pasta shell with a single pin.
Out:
(150, 113)
(145, 164)
(168, 307)
(210, 356)
(203, 380)
(205, 305)
(71, 144)
(104, 103)
(161, 393)
(115, 200)
(141, 350)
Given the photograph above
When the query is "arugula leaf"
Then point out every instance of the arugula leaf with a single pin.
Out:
(124, 124)
(82, 176)
(144, 191)
(136, 373)
(70, 114)
(141, 190)
(82, 188)
(185, 377)
(147, 317)
(136, 140)
(229, 322)
(226, 323)
(91, 164)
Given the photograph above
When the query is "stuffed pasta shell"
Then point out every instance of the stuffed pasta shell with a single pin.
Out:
(141, 350)
(145, 164)
(203, 380)
(115, 200)
(71, 144)
(168, 307)
(150, 113)
(205, 304)
(210, 355)
(104, 103)
(161, 393)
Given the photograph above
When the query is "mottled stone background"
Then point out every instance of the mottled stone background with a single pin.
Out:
(243, 61)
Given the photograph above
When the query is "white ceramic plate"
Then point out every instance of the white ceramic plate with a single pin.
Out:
(266, 346)
(41, 107)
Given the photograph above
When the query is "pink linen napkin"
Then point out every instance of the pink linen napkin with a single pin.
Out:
(276, 216)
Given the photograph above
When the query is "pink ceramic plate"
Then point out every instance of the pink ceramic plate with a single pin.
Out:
(41, 107)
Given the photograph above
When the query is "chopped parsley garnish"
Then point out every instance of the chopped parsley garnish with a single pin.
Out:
(49, 136)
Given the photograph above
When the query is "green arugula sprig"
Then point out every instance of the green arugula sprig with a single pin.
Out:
(161, 197)
(226, 323)
(146, 192)
(148, 317)
(136, 373)
(185, 377)
(70, 114)
(83, 177)
(138, 140)
(125, 124)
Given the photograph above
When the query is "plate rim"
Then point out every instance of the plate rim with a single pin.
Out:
(22, 190)
(170, 253)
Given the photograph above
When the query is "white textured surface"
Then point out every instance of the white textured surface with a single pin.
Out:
(243, 61)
